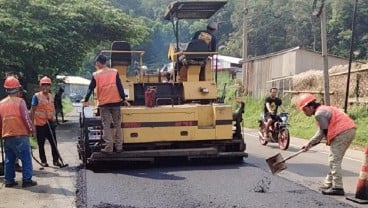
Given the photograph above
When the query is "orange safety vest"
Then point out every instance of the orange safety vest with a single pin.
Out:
(44, 110)
(107, 91)
(12, 122)
(339, 122)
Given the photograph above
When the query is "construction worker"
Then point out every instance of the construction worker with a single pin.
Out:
(110, 96)
(58, 103)
(208, 36)
(15, 128)
(43, 116)
(338, 129)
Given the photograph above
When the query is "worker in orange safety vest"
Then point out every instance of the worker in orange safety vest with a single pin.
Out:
(43, 116)
(110, 96)
(15, 128)
(339, 131)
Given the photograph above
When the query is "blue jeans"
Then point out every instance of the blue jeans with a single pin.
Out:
(17, 147)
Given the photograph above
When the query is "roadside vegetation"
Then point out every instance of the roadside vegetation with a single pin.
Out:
(300, 126)
(67, 106)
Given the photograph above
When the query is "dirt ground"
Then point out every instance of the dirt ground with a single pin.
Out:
(56, 186)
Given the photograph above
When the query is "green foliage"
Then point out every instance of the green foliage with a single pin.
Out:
(272, 26)
(39, 37)
(33, 142)
(67, 106)
(301, 126)
(360, 116)
(252, 113)
(50, 37)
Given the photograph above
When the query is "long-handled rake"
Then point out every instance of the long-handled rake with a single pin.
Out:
(57, 150)
(35, 159)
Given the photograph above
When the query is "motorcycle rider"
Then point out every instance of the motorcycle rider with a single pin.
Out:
(272, 103)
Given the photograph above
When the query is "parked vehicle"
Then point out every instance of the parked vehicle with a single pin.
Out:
(278, 131)
(75, 97)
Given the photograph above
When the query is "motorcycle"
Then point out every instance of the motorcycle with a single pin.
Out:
(277, 133)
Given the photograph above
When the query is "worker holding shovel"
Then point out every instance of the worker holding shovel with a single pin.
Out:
(338, 129)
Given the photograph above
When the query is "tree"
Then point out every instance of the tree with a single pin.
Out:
(54, 36)
(340, 28)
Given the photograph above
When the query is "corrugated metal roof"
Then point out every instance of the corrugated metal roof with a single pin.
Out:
(73, 80)
(273, 54)
(286, 51)
(229, 59)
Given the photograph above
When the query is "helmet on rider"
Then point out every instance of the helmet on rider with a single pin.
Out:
(305, 99)
(45, 80)
(12, 85)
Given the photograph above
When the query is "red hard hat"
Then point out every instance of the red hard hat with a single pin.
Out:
(305, 99)
(45, 80)
(11, 83)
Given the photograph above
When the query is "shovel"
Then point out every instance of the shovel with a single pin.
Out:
(277, 163)
(57, 150)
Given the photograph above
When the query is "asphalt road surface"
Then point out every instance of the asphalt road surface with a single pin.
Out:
(171, 184)
(212, 184)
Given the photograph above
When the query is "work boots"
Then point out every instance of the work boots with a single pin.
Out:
(334, 191)
(57, 164)
(10, 185)
(325, 186)
(44, 164)
(107, 150)
(118, 148)
(29, 183)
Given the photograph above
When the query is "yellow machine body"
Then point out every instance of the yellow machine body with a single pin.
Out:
(190, 122)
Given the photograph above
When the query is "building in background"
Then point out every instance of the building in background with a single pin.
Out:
(228, 63)
(277, 69)
(75, 87)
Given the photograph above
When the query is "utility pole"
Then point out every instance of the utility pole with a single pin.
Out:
(325, 57)
(350, 55)
(245, 47)
(319, 10)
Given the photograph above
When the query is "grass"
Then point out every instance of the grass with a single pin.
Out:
(304, 127)
(33, 142)
(67, 106)
(300, 126)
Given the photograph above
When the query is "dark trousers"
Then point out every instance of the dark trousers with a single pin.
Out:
(57, 112)
(45, 132)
